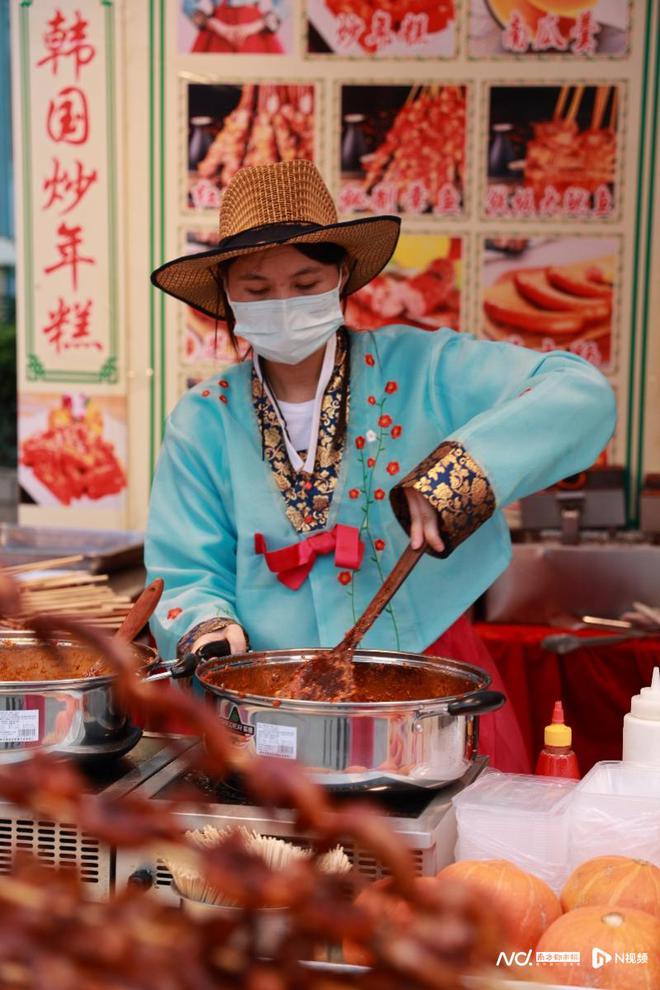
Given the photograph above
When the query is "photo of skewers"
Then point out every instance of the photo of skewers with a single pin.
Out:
(553, 151)
(205, 341)
(381, 28)
(403, 149)
(231, 126)
(551, 293)
(576, 28)
(72, 450)
(421, 287)
(228, 27)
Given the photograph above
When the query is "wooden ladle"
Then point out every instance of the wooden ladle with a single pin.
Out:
(330, 676)
(136, 618)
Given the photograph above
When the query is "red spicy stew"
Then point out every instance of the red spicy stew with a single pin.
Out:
(373, 682)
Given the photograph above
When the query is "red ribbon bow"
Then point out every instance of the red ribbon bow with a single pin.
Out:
(292, 564)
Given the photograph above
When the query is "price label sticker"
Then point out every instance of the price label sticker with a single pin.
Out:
(277, 740)
(19, 726)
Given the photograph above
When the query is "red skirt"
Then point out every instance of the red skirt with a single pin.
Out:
(500, 737)
(260, 43)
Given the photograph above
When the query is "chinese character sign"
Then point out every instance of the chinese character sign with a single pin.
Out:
(578, 29)
(71, 325)
(379, 28)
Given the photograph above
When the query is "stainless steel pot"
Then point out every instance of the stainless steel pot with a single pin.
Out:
(77, 717)
(361, 746)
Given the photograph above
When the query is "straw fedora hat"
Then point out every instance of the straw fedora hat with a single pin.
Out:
(267, 205)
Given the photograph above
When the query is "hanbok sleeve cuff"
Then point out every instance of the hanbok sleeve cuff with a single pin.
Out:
(214, 625)
(456, 487)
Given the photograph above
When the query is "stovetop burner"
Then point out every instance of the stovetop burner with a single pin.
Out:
(197, 788)
(122, 774)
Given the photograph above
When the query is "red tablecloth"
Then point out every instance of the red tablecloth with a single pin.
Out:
(594, 683)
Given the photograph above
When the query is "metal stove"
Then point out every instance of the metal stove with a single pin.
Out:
(426, 821)
(64, 844)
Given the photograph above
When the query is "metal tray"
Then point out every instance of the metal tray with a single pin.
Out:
(103, 550)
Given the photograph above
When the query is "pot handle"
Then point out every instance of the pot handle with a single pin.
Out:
(211, 651)
(479, 703)
(184, 667)
(187, 665)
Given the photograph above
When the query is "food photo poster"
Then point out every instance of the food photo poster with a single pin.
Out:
(552, 292)
(232, 27)
(72, 450)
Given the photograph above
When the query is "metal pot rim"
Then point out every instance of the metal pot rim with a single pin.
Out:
(11, 687)
(457, 667)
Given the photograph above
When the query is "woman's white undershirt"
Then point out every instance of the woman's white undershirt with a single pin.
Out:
(301, 419)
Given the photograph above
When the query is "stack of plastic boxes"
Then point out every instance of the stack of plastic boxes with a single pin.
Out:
(548, 826)
(520, 818)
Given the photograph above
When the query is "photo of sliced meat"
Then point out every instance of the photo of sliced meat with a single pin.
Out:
(556, 293)
(416, 289)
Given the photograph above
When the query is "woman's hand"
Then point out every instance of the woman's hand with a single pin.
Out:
(423, 522)
(233, 634)
(225, 31)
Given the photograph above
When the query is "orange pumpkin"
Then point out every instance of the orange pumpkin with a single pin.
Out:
(614, 881)
(605, 938)
(527, 905)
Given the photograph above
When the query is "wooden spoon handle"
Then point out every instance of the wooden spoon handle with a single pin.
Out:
(141, 611)
(382, 598)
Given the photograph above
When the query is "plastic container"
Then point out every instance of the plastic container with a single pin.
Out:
(641, 726)
(615, 810)
(557, 759)
(518, 817)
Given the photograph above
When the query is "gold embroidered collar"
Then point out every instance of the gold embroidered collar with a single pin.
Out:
(308, 496)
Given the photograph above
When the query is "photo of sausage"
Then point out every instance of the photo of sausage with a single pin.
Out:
(552, 293)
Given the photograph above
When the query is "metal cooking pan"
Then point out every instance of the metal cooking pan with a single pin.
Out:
(78, 716)
(359, 745)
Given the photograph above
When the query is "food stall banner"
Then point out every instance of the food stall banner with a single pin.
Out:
(69, 308)
(72, 418)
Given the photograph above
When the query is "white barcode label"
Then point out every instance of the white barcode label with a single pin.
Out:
(277, 740)
(21, 726)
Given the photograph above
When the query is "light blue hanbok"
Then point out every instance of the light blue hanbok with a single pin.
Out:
(473, 425)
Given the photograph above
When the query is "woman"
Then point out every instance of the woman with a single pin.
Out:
(236, 27)
(288, 485)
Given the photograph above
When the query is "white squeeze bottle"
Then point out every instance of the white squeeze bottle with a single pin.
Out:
(641, 726)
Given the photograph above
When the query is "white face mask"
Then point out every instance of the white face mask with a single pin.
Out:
(288, 330)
